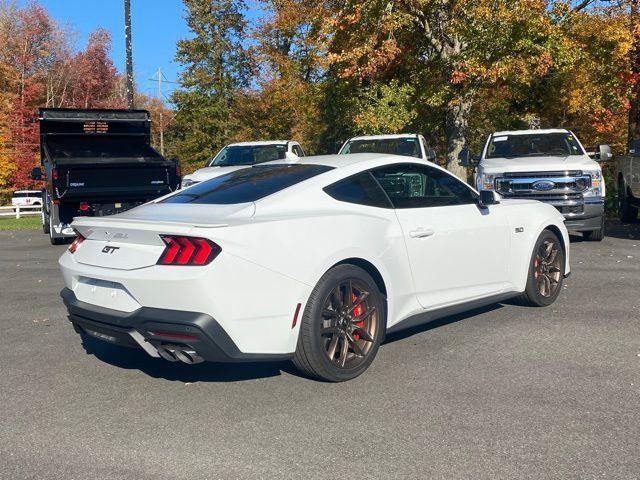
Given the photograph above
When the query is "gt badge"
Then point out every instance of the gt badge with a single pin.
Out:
(109, 249)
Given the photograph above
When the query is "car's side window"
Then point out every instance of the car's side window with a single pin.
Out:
(418, 186)
(361, 189)
(298, 150)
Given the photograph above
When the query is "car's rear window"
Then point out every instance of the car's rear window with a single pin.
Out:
(247, 185)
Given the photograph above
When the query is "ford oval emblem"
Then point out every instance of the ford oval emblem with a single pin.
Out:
(544, 185)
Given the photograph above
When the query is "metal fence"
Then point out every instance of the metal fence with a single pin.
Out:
(18, 211)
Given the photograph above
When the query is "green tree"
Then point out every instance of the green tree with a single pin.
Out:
(216, 65)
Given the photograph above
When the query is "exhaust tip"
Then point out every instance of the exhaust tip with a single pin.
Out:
(174, 353)
(167, 354)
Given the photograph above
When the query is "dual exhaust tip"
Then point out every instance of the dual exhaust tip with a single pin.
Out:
(176, 353)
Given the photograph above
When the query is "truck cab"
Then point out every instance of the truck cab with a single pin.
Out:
(551, 166)
(240, 155)
(405, 144)
(628, 182)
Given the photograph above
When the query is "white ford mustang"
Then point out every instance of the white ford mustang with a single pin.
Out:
(314, 261)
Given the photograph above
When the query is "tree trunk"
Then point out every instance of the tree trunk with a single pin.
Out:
(456, 123)
(634, 100)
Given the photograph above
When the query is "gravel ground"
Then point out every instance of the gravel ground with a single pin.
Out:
(501, 392)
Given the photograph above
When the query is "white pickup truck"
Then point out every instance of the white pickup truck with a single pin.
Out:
(404, 144)
(547, 165)
(244, 154)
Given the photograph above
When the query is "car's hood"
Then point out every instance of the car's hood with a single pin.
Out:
(537, 164)
(212, 172)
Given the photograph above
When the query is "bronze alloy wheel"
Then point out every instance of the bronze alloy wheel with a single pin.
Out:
(547, 269)
(349, 324)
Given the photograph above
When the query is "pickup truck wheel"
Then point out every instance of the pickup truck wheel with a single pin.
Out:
(627, 212)
(595, 235)
(343, 325)
(546, 272)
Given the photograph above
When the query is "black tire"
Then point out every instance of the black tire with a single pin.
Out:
(312, 355)
(595, 235)
(627, 212)
(532, 295)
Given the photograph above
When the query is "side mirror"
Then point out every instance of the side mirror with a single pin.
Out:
(291, 157)
(488, 197)
(465, 159)
(36, 173)
(603, 154)
(431, 154)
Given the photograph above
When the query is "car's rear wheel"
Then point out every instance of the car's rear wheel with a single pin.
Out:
(343, 325)
(546, 271)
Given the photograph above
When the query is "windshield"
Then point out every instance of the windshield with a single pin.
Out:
(533, 145)
(248, 155)
(407, 147)
(247, 184)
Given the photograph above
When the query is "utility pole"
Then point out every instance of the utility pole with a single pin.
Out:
(160, 96)
(634, 101)
(129, 55)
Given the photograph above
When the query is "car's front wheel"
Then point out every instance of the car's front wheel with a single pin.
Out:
(546, 271)
(343, 324)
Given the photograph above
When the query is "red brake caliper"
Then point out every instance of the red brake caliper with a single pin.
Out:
(535, 266)
(356, 313)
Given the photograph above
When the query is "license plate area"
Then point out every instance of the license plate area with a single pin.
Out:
(105, 294)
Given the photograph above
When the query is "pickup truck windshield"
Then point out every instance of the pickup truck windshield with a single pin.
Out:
(533, 145)
(407, 147)
(248, 155)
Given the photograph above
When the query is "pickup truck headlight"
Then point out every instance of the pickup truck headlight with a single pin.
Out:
(488, 182)
(187, 182)
(597, 184)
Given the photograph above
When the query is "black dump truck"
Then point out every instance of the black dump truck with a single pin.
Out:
(97, 163)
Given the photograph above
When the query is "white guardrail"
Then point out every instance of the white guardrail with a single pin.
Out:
(18, 211)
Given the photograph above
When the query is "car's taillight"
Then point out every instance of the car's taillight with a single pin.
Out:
(76, 243)
(54, 173)
(181, 250)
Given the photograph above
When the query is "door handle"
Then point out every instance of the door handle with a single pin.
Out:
(421, 233)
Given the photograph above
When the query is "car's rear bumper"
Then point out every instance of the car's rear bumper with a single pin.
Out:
(150, 328)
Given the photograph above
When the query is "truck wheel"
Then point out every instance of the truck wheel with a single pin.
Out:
(45, 222)
(595, 235)
(627, 212)
(343, 324)
(546, 272)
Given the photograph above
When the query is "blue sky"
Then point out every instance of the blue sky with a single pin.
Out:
(156, 27)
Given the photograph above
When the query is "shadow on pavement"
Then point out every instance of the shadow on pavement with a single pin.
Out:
(133, 359)
(431, 324)
(625, 231)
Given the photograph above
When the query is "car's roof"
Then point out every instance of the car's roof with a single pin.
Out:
(263, 142)
(364, 160)
(384, 137)
(531, 132)
(27, 191)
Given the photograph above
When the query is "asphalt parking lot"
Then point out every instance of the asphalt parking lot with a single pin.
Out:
(501, 392)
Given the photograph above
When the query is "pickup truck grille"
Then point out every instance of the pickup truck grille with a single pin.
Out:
(553, 187)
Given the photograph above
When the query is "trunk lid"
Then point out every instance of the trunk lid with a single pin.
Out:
(131, 240)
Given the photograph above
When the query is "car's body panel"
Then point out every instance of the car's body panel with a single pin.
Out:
(276, 249)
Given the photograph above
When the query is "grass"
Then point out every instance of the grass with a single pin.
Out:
(25, 223)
